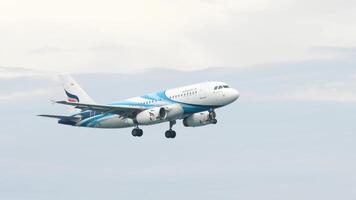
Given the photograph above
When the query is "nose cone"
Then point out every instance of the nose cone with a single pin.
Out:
(231, 95)
(234, 94)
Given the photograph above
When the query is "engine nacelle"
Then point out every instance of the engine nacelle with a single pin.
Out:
(200, 119)
(173, 111)
(151, 116)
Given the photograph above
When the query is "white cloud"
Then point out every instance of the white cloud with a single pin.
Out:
(6, 73)
(20, 96)
(69, 37)
(336, 91)
(15, 72)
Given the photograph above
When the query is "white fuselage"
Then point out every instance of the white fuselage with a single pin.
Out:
(179, 102)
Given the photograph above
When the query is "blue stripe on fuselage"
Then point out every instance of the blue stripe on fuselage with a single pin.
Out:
(95, 120)
(188, 108)
(149, 97)
(88, 121)
(158, 97)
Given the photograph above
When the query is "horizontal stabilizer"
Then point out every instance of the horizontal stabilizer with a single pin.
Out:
(59, 117)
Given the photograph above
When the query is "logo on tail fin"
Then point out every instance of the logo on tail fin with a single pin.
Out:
(72, 97)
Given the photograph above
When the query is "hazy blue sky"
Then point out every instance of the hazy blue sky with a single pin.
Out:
(275, 142)
(291, 135)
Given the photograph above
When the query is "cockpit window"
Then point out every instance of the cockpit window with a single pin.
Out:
(221, 87)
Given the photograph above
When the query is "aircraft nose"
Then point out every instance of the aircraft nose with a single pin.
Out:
(234, 94)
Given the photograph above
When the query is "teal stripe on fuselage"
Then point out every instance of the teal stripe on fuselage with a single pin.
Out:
(94, 118)
(128, 103)
(150, 97)
(188, 108)
(158, 97)
(98, 120)
(162, 97)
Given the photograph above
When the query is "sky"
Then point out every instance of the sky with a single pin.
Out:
(290, 135)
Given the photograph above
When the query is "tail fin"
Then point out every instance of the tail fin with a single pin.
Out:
(74, 92)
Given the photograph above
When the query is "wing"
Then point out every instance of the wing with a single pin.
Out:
(125, 111)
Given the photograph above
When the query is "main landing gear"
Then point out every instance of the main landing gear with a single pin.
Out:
(171, 133)
(137, 132)
(212, 117)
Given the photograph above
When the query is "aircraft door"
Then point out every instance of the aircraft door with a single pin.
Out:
(202, 94)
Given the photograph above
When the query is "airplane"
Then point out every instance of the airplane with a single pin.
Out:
(194, 104)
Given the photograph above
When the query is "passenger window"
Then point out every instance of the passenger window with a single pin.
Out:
(216, 87)
(220, 87)
(225, 86)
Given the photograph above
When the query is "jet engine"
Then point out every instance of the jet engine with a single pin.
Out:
(151, 116)
(200, 119)
(173, 111)
(158, 114)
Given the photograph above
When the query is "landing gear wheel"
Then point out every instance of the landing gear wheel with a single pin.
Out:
(137, 132)
(212, 115)
(134, 132)
(173, 134)
(170, 134)
(140, 132)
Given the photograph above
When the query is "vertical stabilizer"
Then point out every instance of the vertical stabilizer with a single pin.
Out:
(74, 92)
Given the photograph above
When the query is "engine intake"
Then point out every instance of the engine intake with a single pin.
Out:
(159, 114)
(151, 116)
(173, 111)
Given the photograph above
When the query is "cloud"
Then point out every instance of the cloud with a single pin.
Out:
(347, 52)
(46, 49)
(20, 96)
(53, 50)
(341, 91)
(19, 84)
(335, 91)
(7, 73)
(121, 36)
